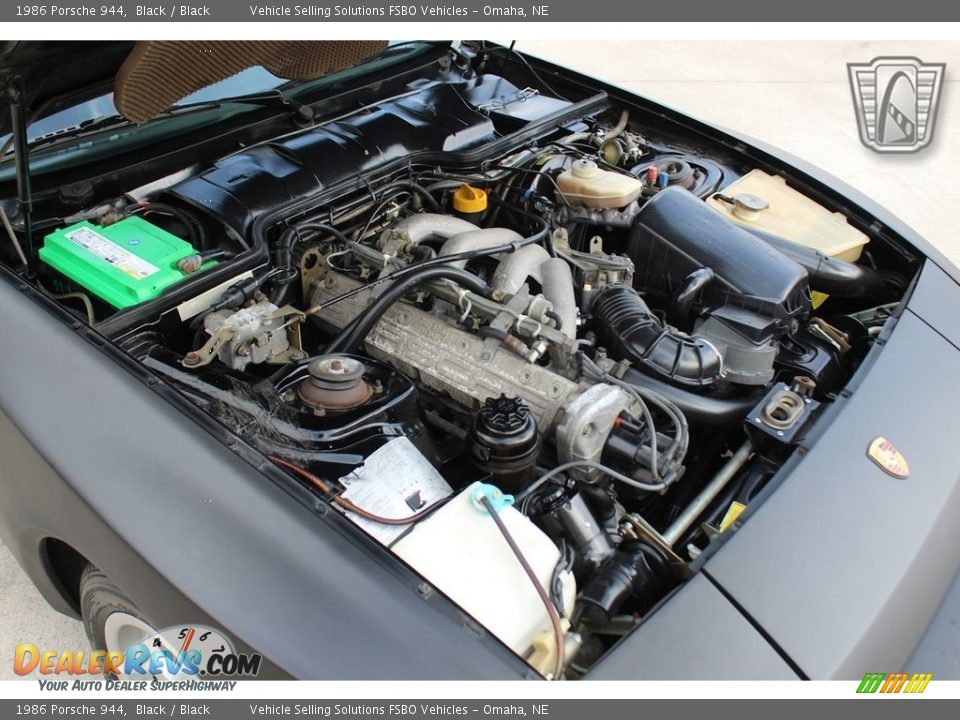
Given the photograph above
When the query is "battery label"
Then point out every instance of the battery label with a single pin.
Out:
(108, 251)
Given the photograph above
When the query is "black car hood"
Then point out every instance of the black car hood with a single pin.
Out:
(50, 71)
(149, 76)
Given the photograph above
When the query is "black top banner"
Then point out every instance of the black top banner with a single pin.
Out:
(259, 11)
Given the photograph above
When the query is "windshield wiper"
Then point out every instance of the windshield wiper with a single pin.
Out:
(86, 127)
(303, 113)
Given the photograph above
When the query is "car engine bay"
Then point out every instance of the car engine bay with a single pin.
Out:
(545, 352)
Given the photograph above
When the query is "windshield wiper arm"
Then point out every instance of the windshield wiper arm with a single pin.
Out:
(304, 113)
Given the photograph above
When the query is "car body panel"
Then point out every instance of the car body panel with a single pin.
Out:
(936, 652)
(717, 643)
(163, 508)
(844, 565)
(935, 300)
(37, 505)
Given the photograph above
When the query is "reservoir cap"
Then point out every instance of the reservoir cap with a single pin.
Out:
(468, 199)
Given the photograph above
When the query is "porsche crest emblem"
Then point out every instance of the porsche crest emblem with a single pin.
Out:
(885, 454)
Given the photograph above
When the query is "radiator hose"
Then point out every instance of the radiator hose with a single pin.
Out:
(628, 330)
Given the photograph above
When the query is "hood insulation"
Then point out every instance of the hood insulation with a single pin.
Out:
(157, 74)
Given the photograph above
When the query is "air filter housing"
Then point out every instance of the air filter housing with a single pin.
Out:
(676, 233)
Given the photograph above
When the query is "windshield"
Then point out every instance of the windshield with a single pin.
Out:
(248, 82)
(251, 80)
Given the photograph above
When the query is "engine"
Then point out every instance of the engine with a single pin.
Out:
(549, 361)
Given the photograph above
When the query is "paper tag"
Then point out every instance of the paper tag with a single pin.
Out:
(108, 251)
(396, 481)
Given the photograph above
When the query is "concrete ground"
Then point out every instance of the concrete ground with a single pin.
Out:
(26, 618)
(794, 95)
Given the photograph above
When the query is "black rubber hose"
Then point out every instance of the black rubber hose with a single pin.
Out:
(291, 236)
(543, 229)
(557, 322)
(284, 252)
(695, 282)
(487, 331)
(195, 230)
(628, 329)
(698, 409)
(349, 339)
(636, 570)
(827, 274)
(410, 186)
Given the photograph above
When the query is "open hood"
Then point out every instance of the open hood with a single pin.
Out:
(50, 72)
(150, 76)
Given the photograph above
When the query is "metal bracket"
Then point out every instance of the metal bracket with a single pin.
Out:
(210, 349)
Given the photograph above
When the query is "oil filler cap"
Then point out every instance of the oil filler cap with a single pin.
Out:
(469, 200)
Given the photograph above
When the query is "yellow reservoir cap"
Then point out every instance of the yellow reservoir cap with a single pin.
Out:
(468, 199)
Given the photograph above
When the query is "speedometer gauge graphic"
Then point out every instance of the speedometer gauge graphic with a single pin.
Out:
(172, 652)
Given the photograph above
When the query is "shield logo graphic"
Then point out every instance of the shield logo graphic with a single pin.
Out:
(896, 100)
(885, 454)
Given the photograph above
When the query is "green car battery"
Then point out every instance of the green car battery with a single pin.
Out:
(126, 263)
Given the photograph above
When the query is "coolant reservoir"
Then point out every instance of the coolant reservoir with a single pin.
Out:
(460, 550)
(767, 203)
(587, 184)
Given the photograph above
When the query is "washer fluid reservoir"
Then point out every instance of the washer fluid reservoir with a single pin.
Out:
(460, 550)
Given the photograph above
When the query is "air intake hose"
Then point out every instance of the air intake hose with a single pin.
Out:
(827, 274)
(628, 330)
(635, 571)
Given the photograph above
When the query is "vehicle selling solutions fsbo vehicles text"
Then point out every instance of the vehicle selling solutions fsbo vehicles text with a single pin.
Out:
(396, 11)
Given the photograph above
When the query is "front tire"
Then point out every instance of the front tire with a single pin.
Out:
(111, 620)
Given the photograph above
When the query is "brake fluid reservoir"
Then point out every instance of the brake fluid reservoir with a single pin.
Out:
(587, 184)
(460, 550)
